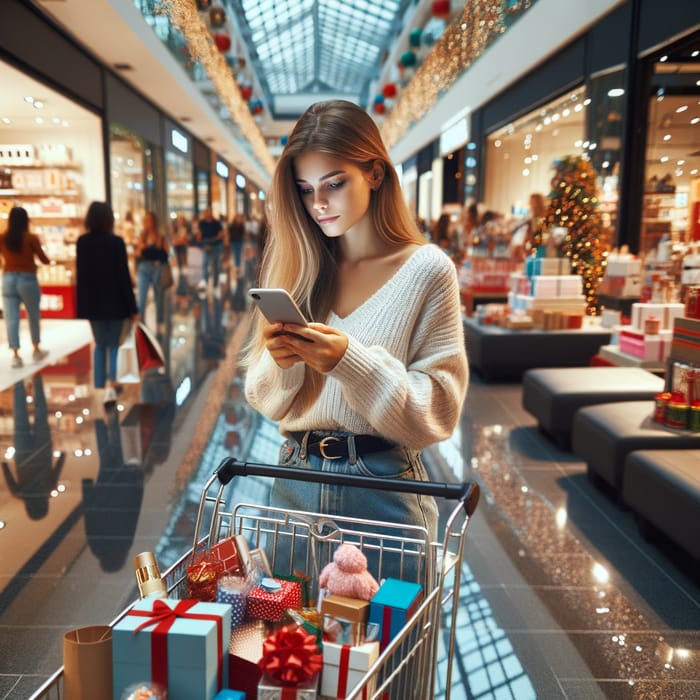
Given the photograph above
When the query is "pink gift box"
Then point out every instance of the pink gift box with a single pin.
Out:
(645, 347)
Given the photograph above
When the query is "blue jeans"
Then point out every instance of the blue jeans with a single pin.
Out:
(211, 259)
(106, 335)
(21, 287)
(236, 252)
(383, 506)
(148, 275)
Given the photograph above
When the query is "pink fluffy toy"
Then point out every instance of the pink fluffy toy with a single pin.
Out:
(347, 574)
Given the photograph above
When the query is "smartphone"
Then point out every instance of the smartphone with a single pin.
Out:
(277, 306)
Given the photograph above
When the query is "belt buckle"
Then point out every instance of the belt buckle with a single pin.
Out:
(323, 444)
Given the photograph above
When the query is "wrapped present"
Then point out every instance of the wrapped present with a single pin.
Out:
(392, 607)
(202, 577)
(520, 284)
(685, 346)
(666, 313)
(550, 266)
(645, 347)
(228, 694)
(234, 591)
(548, 286)
(290, 665)
(245, 650)
(178, 644)
(344, 619)
(271, 605)
(226, 552)
(344, 666)
(623, 265)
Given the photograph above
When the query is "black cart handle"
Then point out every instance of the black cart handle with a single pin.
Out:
(467, 491)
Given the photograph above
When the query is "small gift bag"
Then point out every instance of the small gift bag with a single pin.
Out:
(87, 663)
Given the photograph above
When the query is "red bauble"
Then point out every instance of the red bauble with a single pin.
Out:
(258, 109)
(389, 90)
(246, 92)
(441, 9)
(222, 41)
(379, 108)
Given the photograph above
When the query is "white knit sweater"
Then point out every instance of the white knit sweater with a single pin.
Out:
(404, 374)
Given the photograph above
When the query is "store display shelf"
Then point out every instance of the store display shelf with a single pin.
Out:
(56, 193)
(41, 165)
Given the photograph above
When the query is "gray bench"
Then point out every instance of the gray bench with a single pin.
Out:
(605, 434)
(663, 488)
(553, 394)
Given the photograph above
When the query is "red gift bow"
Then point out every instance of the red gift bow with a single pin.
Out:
(163, 616)
(291, 656)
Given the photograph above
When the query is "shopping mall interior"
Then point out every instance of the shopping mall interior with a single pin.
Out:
(180, 106)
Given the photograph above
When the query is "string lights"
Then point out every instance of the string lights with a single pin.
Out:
(202, 48)
(462, 42)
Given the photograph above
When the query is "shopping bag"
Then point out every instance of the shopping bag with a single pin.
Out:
(128, 361)
(165, 278)
(136, 432)
(150, 354)
(87, 663)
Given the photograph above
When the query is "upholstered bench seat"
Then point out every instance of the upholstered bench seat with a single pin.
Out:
(553, 394)
(663, 487)
(605, 434)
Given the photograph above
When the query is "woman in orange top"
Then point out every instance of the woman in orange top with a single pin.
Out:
(19, 281)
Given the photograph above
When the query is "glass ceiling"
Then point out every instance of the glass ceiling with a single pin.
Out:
(316, 46)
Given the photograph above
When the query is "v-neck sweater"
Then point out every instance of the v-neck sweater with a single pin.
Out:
(404, 373)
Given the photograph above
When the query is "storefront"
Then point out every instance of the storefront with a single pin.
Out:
(220, 188)
(179, 174)
(52, 164)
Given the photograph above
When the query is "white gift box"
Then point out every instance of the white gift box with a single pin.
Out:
(344, 666)
(548, 286)
(664, 312)
(623, 266)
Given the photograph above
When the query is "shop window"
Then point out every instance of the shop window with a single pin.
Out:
(179, 176)
(671, 199)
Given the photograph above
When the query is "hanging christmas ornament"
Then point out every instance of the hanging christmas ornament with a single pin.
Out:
(408, 58)
(441, 9)
(283, 140)
(203, 5)
(379, 108)
(222, 41)
(246, 92)
(428, 39)
(389, 90)
(217, 17)
(378, 98)
(414, 37)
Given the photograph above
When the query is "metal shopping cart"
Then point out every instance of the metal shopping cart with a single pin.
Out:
(406, 668)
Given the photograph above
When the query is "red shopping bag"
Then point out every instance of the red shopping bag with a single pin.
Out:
(148, 350)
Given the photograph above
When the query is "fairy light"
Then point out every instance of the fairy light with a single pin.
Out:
(200, 44)
(462, 42)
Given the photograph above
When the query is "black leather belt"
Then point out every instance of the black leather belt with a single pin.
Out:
(338, 447)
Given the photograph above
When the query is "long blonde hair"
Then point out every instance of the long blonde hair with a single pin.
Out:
(297, 256)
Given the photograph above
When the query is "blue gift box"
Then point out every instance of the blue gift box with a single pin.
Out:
(393, 606)
(230, 695)
(187, 640)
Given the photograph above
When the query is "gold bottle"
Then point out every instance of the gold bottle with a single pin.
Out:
(148, 576)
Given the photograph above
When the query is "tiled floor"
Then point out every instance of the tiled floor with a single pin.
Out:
(561, 598)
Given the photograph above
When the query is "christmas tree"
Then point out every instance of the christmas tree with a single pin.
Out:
(573, 208)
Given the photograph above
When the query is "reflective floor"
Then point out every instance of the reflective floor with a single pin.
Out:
(561, 597)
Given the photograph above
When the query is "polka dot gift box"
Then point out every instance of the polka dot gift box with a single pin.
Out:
(272, 597)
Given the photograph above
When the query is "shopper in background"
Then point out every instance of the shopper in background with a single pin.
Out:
(381, 372)
(180, 240)
(236, 238)
(105, 292)
(210, 235)
(20, 285)
(521, 240)
(151, 254)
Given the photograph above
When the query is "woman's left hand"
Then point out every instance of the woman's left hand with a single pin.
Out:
(319, 346)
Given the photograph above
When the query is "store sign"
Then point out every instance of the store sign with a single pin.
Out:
(455, 133)
(221, 169)
(179, 141)
(240, 181)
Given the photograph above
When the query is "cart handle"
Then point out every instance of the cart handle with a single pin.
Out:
(467, 492)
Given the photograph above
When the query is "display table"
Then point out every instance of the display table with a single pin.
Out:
(502, 353)
(613, 354)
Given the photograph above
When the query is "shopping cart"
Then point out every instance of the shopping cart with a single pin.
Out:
(407, 668)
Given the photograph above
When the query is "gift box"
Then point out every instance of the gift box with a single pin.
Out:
(245, 650)
(392, 606)
(547, 266)
(178, 644)
(227, 694)
(226, 552)
(234, 591)
(270, 689)
(547, 286)
(344, 666)
(621, 266)
(267, 605)
(666, 313)
(685, 345)
(344, 619)
(520, 284)
(645, 347)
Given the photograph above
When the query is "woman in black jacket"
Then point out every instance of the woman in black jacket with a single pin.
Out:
(105, 292)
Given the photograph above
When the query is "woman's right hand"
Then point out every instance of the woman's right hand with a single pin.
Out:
(278, 349)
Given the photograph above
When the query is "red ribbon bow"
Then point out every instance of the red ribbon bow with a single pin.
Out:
(163, 617)
(291, 656)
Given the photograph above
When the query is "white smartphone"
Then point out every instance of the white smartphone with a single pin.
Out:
(277, 306)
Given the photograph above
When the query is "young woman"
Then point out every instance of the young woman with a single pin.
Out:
(20, 285)
(151, 253)
(105, 292)
(381, 371)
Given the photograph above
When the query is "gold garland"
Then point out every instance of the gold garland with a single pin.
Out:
(200, 44)
(462, 42)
